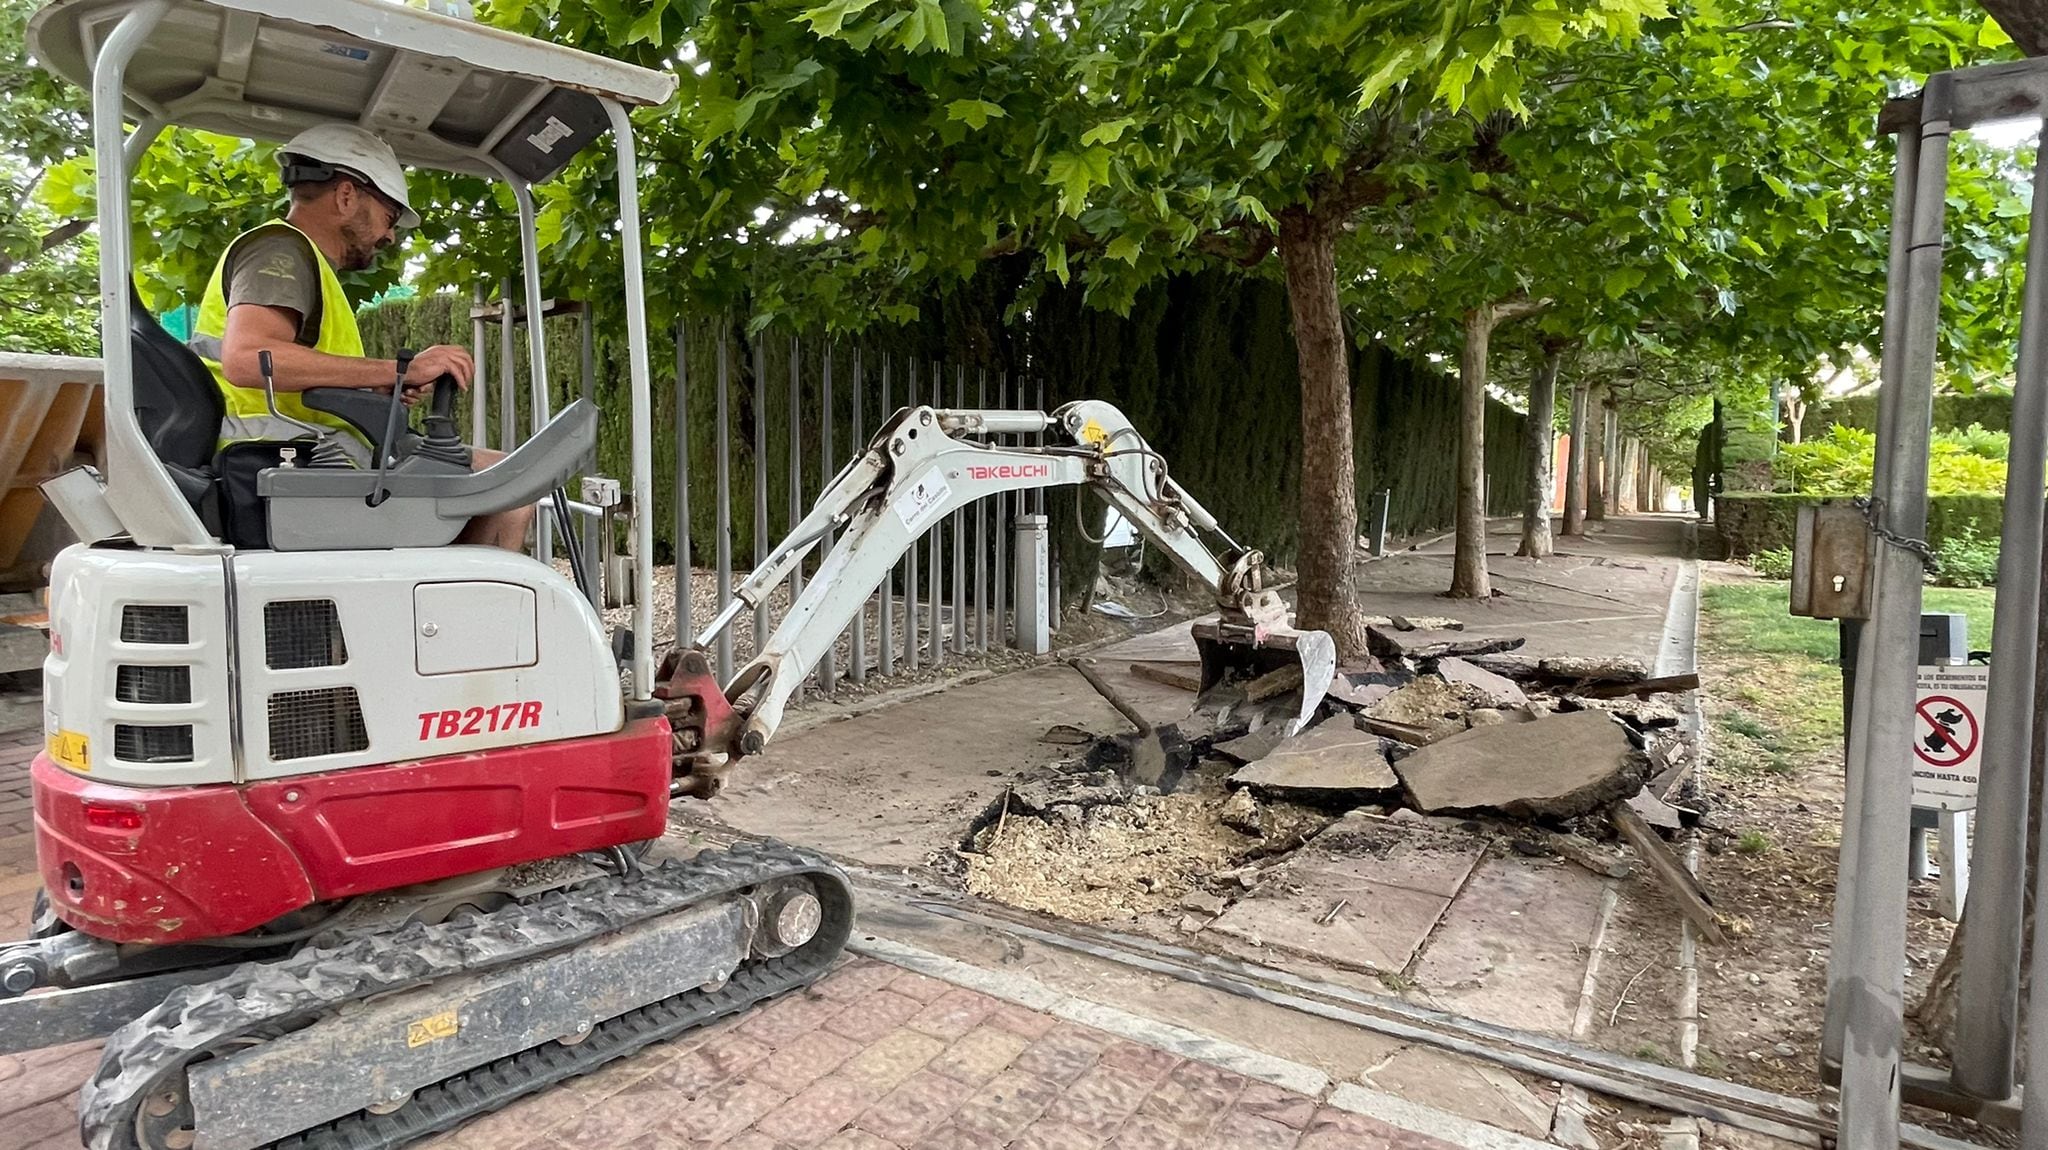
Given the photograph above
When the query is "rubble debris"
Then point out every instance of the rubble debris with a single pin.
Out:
(1113, 861)
(1408, 735)
(1500, 690)
(1334, 760)
(1429, 706)
(1568, 1124)
(1562, 670)
(1252, 747)
(1660, 814)
(1185, 675)
(1241, 812)
(1353, 693)
(1415, 622)
(1066, 735)
(1157, 755)
(1675, 879)
(1390, 644)
(1690, 681)
(1273, 684)
(1553, 768)
(1203, 903)
(1601, 860)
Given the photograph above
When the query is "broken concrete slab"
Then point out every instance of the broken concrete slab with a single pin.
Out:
(1384, 850)
(1512, 950)
(1253, 747)
(1499, 690)
(1378, 928)
(1240, 812)
(1562, 669)
(1554, 768)
(1434, 707)
(1351, 693)
(1387, 643)
(1332, 760)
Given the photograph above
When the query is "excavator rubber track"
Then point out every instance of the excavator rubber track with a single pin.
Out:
(144, 1063)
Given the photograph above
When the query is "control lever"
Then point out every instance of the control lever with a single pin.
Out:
(326, 453)
(441, 441)
(393, 420)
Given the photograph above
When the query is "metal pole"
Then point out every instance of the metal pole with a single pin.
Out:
(1849, 858)
(1988, 987)
(981, 537)
(1003, 400)
(1052, 554)
(1873, 980)
(911, 654)
(886, 647)
(796, 472)
(589, 368)
(761, 528)
(959, 537)
(935, 587)
(722, 505)
(508, 371)
(857, 667)
(685, 626)
(480, 383)
(641, 388)
(536, 351)
(828, 663)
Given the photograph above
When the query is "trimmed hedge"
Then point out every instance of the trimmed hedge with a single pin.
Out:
(1990, 410)
(1749, 522)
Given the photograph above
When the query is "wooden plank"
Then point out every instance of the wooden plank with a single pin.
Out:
(1169, 675)
(1669, 872)
(1690, 681)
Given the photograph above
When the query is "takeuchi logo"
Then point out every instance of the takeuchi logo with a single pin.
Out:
(1011, 471)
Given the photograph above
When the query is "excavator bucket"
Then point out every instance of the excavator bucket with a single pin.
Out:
(1265, 662)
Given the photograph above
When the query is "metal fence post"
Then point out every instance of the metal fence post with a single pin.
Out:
(911, 654)
(588, 322)
(761, 528)
(796, 476)
(959, 537)
(685, 630)
(1872, 980)
(857, 666)
(1003, 400)
(480, 383)
(722, 506)
(828, 663)
(886, 647)
(1987, 993)
(508, 371)
(981, 537)
(935, 587)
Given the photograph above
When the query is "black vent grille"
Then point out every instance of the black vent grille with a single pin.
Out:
(141, 684)
(155, 623)
(138, 743)
(328, 721)
(302, 633)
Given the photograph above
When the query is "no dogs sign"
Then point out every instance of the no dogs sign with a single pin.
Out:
(1948, 736)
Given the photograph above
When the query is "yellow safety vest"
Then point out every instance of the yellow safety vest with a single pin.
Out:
(246, 416)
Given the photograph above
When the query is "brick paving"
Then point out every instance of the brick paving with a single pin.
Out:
(871, 1058)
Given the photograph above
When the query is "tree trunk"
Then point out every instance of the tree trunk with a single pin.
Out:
(1468, 565)
(1596, 457)
(1611, 462)
(1328, 519)
(1575, 465)
(1542, 418)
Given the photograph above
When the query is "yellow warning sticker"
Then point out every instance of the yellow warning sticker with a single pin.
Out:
(432, 1028)
(67, 749)
(1092, 432)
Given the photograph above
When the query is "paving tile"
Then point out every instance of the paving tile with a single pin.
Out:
(916, 1108)
(520, 1122)
(922, 987)
(1018, 1020)
(1146, 1061)
(953, 1014)
(1265, 1100)
(1045, 1135)
(1244, 1131)
(49, 1074)
(958, 1138)
(981, 1054)
(856, 978)
(55, 1119)
(820, 1111)
(712, 1063)
(873, 1015)
(1099, 1100)
(855, 1140)
(608, 1122)
(804, 1061)
(1333, 1129)
(723, 1111)
(788, 1018)
(1064, 1054)
(1002, 1108)
(889, 1062)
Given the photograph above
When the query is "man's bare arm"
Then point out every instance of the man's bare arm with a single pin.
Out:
(253, 328)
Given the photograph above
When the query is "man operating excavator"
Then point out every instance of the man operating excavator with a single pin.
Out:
(276, 289)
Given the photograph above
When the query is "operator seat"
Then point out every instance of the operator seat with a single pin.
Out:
(177, 405)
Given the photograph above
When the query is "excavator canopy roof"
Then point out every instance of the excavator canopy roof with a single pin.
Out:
(445, 93)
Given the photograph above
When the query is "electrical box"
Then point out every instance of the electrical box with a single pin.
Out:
(1833, 557)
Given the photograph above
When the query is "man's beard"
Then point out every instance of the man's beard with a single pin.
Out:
(359, 249)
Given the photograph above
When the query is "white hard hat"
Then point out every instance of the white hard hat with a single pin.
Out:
(354, 151)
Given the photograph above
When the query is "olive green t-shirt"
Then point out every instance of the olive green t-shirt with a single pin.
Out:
(275, 267)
